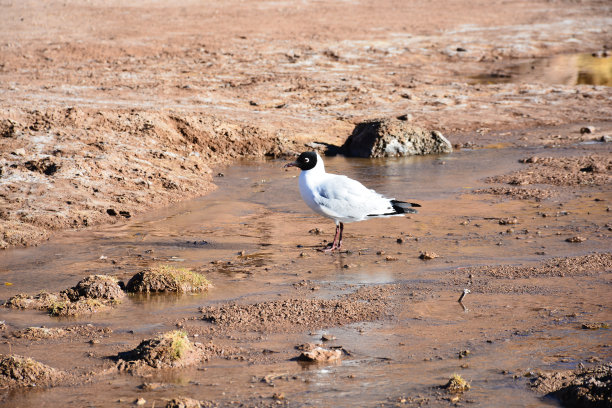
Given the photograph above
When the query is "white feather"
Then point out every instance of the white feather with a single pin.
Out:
(341, 198)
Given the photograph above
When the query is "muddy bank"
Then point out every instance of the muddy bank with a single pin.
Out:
(583, 387)
(75, 168)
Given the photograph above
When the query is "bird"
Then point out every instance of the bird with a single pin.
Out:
(341, 198)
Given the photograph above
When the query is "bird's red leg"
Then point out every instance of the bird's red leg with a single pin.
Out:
(334, 244)
(339, 244)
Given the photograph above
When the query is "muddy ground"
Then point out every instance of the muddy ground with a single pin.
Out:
(109, 113)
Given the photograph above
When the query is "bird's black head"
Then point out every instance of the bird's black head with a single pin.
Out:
(305, 161)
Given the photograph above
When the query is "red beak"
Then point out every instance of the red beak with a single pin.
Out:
(292, 164)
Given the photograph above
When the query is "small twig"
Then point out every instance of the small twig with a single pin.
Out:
(465, 292)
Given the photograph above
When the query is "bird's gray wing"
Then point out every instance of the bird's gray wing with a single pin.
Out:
(342, 197)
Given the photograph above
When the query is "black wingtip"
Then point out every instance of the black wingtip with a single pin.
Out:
(402, 207)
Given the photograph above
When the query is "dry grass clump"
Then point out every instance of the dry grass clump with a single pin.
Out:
(457, 384)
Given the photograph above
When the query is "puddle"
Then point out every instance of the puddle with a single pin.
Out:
(570, 69)
(254, 228)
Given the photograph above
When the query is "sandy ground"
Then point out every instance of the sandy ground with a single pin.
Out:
(108, 111)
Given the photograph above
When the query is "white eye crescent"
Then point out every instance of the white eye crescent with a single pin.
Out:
(306, 159)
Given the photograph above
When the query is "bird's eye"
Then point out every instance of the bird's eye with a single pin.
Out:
(306, 159)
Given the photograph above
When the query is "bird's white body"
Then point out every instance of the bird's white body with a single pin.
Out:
(341, 198)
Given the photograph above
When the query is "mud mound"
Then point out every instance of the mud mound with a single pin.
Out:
(79, 307)
(171, 349)
(43, 333)
(17, 371)
(96, 287)
(573, 266)
(39, 333)
(90, 295)
(168, 279)
(588, 388)
(298, 314)
(391, 138)
(42, 301)
(184, 402)
(593, 170)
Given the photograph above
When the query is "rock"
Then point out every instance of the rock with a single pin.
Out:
(306, 347)
(606, 139)
(328, 337)
(392, 138)
(406, 117)
(319, 355)
(576, 239)
(508, 221)
(594, 326)
(428, 255)
(8, 128)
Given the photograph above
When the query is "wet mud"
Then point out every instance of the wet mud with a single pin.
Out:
(393, 317)
(141, 158)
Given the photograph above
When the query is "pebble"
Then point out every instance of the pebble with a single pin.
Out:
(508, 221)
(140, 401)
(428, 255)
(587, 129)
(328, 337)
(576, 239)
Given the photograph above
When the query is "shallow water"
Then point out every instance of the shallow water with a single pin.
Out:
(565, 69)
(257, 209)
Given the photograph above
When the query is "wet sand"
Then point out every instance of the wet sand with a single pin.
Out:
(156, 134)
(530, 290)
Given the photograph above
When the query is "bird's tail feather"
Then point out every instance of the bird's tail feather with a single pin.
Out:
(402, 207)
(399, 207)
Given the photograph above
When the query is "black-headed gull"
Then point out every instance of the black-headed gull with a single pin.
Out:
(340, 198)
